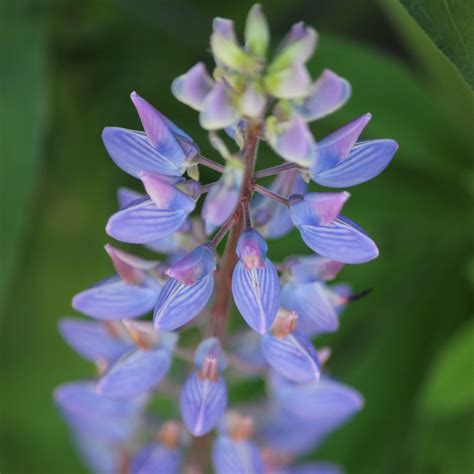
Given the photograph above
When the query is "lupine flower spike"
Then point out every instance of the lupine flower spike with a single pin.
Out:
(185, 293)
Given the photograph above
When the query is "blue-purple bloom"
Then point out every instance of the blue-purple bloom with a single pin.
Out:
(191, 285)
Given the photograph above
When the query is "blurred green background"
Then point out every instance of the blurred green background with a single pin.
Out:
(67, 68)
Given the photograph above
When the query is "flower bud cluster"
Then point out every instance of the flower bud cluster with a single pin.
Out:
(253, 96)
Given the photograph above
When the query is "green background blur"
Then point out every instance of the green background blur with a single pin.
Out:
(67, 68)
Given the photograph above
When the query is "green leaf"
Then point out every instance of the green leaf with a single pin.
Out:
(450, 24)
(22, 105)
(449, 389)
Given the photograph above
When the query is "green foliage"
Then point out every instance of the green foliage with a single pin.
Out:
(450, 24)
(22, 120)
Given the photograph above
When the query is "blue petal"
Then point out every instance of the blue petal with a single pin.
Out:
(91, 414)
(365, 161)
(310, 301)
(236, 457)
(178, 304)
(202, 403)
(92, 340)
(132, 152)
(142, 222)
(325, 404)
(99, 455)
(256, 294)
(155, 458)
(292, 356)
(135, 373)
(114, 299)
(342, 241)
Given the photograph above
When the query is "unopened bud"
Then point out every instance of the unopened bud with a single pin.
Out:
(257, 33)
(284, 323)
(169, 434)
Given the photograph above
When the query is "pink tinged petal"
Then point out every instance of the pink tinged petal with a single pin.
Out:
(136, 372)
(292, 356)
(210, 347)
(292, 140)
(91, 340)
(308, 268)
(336, 147)
(236, 457)
(329, 93)
(178, 304)
(202, 403)
(142, 222)
(252, 249)
(157, 130)
(342, 240)
(316, 313)
(192, 87)
(132, 152)
(164, 194)
(196, 265)
(156, 458)
(129, 268)
(219, 108)
(298, 45)
(221, 201)
(256, 294)
(365, 161)
(126, 196)
(317, 209)
(114, 299)
(289, 83)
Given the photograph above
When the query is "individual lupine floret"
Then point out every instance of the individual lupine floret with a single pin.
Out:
(316, 215)
(141, 368)
(163, 149)
(255, 284)
(101, 343)
(304, 291)
(343, 162)
(162, 456)
(233, 451)
(223, 197)
(131, 293)
(158, 215)
(188, 289)
(271, 218)
(289, 352)
(203, 399)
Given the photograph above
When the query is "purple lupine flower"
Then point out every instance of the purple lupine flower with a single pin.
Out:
(251, 99)
(289, 352)
(141, 368)
(203, 399)
(188, 289)
(131, 293)
(162, 149)
(342, 162)
(255, 285)
(233, 452)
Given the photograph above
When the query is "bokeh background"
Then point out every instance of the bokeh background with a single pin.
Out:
(66, 70)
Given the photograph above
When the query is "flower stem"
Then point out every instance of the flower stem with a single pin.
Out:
(275, 170)
(221, 306)
(202, 160)
(270, 194)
